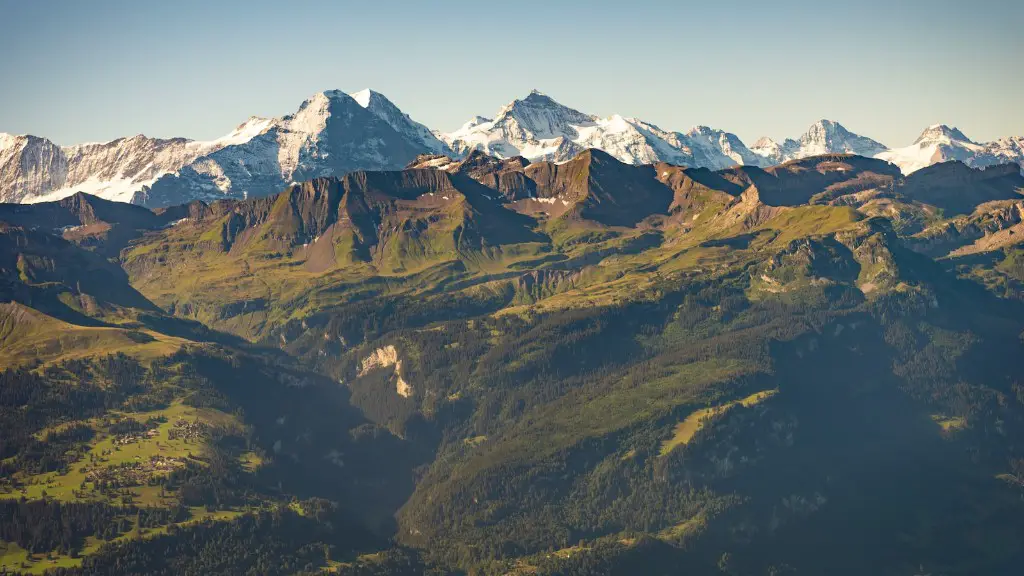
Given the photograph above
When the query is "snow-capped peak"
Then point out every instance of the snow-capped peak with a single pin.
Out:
(539, 117)
(765, 143)
(822, 137)
(942, 132)
(330, 133)
(940, 143)
(535, 127)
(8, 140)
(831, 137)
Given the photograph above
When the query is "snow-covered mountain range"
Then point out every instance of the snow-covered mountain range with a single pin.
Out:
(823, 137)
(538, 128)
(333, 132)
(941, 143)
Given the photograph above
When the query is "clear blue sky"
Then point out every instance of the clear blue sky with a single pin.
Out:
(84, 70)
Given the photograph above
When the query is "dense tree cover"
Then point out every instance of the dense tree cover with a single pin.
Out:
(509, 483)
(827, 350)
(73, 390)
(278, 541)
(53, 405)
(44, 526)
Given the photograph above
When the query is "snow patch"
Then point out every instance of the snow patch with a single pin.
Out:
(119, 189)
(362, 97)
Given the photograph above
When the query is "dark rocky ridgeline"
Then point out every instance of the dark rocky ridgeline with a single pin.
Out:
(959, 189)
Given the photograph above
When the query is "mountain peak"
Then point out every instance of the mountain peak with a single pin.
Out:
(701, 129)
(824, 128)
(828, 136)
(332, 95)
(538, 116)
(942, 132)
(535, 98)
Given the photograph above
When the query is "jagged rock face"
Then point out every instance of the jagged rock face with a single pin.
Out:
(35, 169)
(29, 166)
(126, 163)
(708, 144)
(827, 137)
(504, 175)
(367, 217)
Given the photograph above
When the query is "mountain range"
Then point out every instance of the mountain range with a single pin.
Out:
(332, 133)
(491, 365)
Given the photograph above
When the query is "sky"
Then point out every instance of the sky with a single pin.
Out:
(83, 71)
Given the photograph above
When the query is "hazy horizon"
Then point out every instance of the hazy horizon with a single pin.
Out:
(96, 71)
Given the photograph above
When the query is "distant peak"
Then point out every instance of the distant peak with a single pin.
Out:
(765, 142)
(827, 132)
(538, 97)
(828, 126)
(537, 105)
(942, 131)
(476, 121)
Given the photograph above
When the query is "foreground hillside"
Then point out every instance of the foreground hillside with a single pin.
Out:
(497, 366)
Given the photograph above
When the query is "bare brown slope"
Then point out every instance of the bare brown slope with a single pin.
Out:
(595, 186)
